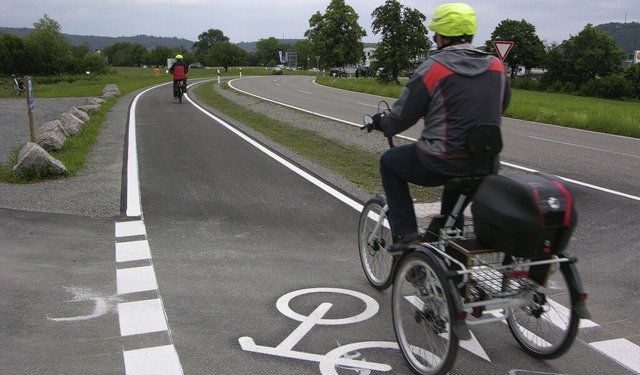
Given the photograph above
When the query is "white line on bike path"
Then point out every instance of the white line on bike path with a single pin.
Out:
(608, 350)
(144, 316)
(595, 187)
(622, 351)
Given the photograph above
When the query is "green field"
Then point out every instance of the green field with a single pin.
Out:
(601, 115)
(586, 113)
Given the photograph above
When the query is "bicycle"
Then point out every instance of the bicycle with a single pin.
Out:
(178, 90)
(453, 276)
(18, 86)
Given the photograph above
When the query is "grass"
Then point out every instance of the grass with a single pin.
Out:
(601, 115)
(608, 116)
(73, 155)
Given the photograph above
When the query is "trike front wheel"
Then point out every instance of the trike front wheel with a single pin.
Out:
(374, 236)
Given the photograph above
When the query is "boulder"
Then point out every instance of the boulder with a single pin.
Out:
(34, 158)
(82, 115)
(71, 123)
(95, 101)
(89, 108)
(110, 91)
(51, 136)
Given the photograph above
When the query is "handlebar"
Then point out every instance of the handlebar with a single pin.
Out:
(369, 123)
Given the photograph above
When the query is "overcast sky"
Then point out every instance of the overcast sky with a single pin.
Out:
(251, 20)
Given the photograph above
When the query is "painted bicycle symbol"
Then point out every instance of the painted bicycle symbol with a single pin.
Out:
(344, 356)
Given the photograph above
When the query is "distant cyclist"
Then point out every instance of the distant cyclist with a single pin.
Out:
(179, 70)
(455, 89)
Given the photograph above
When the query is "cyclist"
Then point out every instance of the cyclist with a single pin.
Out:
(179, 70)
(456, 88)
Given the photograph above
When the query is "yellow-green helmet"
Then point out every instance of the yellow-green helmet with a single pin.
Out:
(179, 57)
(453, 20)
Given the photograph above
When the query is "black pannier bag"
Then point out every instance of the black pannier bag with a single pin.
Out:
(526, 215)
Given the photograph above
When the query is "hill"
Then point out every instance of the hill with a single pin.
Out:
(627, 35)
(99, 42)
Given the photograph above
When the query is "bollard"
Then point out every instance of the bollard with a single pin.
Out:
(218, 76)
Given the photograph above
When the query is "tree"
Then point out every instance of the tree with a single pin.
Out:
(528, 50)
(404, 38)
(13, 56)
(305, 53)
(336, 35)
(225, 54)
(46, 23)
(206, 41)
(159, 55)
(267, 50)
(126, 54)
(590, 54)
(48, 50)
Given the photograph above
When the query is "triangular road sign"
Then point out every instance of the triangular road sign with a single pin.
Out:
(502, 48)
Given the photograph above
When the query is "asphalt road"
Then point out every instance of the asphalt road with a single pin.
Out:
(232, 251)
(603, 160)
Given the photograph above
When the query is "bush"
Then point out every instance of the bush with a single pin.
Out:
(632, 75)
(526, 84)
(610, 87)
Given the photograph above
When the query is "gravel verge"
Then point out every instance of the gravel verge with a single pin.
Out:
(93, 191)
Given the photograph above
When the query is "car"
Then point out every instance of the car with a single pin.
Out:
(338, 72)
(362, 71)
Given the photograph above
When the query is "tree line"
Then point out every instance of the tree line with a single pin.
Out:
(589, 63)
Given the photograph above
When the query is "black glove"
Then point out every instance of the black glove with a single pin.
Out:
(377, 122)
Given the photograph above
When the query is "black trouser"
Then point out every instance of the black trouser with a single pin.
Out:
(175, 86)
(400, 166)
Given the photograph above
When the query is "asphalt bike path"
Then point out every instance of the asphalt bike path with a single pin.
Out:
(257, 268)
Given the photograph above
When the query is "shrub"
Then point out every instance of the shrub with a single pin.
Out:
(610, 87)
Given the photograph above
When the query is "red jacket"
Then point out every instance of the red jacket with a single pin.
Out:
(179, 70)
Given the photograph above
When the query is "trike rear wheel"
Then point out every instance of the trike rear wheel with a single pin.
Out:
(374, 236)
(547, 327)
(423, 312)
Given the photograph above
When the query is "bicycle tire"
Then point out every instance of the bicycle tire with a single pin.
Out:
(16, 89)
(547, 330)
(377, 264)
(422, 309)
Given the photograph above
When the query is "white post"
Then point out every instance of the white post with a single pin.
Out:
(218, 76)
(240, 72)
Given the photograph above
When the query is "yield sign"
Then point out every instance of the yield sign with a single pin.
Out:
(502, 48)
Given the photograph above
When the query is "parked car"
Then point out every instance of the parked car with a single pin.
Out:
(362, 71)
(338, 72)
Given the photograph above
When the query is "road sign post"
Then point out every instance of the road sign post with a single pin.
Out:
(30, 106)
(502, 48)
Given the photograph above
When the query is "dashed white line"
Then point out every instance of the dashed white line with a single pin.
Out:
(136, 279)
(140, 317)
(133, 250)
(158, 360)
(622, 351)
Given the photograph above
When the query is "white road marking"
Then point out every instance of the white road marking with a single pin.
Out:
(102, 304)
(141, 317)
(622, 351)
(145, 316)
(136, 279)
(595, 187)
(158, 360)
(130, 228)
(133, 250)
(586, 147)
